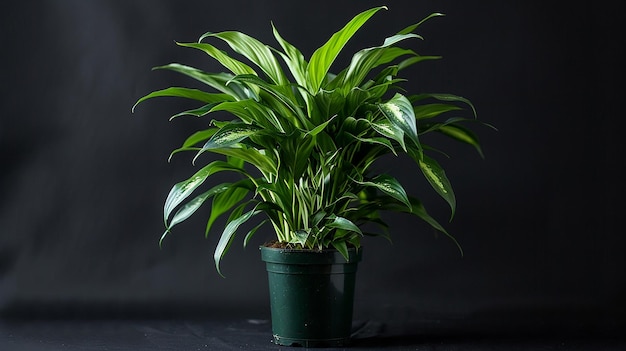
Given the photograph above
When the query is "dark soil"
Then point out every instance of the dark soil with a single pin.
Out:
(281, 245)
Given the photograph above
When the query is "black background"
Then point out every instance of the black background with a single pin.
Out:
(540, 219)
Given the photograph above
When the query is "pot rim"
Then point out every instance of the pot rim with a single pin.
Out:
(308, 256)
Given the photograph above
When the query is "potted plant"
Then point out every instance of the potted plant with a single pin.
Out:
(301, 142)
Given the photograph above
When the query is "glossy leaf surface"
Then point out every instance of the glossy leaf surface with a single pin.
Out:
(304, 146)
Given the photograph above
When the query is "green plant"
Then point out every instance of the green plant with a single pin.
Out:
(304, 148)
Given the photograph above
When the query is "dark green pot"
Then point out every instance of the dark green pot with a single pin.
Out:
(311, 296)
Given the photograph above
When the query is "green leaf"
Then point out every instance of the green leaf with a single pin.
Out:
(411, 28)
(343, 223)
(432, 110)
(445, 97)
(399, 111)
(377, 140)
(390, 130)
(193, 94)
(215, 80)
(226, 200)
(251, 233)
(198, 112)
(191, 142)
(301, 156)
(199, 136)
(251, 111)
(255, 51)
(390, 186)
(315, 131)
(416, 59)
(293, 58)
(182, 190)
(235, 66)
(367, 59)
(436, 176)
(191, 207)
(301, 237)
(463, 135)
(262, 162)
(418, 209)
(328, 103)
(230, 135)
(324, 56)
(228, 235)
(284, 103)
(341, 246)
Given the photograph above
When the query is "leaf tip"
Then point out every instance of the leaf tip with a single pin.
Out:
(193, 162)
(162, 238)
(217, 259)
(207, 34)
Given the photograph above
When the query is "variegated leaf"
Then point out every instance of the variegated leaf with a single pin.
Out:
(390, 186)
(182, 190)
(399, 112)
(230, 134)
(391, 131)
(437, 178)
(191, 207)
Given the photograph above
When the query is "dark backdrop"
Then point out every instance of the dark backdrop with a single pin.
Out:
(83, 180)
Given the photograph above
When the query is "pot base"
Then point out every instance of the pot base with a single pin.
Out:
(296, 342)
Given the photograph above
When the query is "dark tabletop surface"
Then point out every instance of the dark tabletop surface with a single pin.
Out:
(255, 334)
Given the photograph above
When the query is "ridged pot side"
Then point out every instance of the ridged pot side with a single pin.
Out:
(311, 295)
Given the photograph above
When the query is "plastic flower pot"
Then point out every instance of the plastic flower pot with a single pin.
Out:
(311, 295)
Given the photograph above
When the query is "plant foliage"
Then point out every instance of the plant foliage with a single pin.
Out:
(303, 140)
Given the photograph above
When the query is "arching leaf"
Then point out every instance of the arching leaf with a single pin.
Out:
(229, 135)
(226, 200)
(390, 130)
(228, 235)
(193, 94)
(255, 51)
(217, 81)
(235, 66)
(192, 206)
(463, 135)
(343, 223)
(182, 190)
(323, 57)
(437, 178)
(390, 186)
(432, 110)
